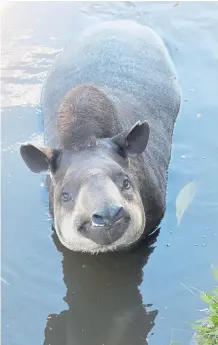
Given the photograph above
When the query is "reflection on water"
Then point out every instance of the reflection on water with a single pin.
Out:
(105, 304)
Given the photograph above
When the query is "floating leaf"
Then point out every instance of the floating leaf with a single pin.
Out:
(184, 198)
(193, 325)
(215, 272)
(206, 297)
(200, 321)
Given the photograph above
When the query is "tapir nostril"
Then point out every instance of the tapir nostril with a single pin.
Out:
(117, 213)
(98, 220)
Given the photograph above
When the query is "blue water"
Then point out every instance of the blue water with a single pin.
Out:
(52, 296)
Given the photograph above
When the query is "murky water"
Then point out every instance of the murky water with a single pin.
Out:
(52, 296)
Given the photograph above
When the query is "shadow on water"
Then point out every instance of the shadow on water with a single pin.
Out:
(105, 304)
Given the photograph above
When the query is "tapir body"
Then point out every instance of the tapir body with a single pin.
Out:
(110, 102)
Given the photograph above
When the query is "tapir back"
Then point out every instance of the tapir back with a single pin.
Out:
(125, 59)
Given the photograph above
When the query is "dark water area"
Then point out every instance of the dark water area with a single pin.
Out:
(52, 296)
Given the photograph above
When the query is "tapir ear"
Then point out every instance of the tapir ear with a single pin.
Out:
(40, 158)
(133, 141)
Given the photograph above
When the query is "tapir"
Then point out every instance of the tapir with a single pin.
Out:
(110, 102)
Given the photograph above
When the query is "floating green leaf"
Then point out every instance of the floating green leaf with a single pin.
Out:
(206, 297)
(215, 272)
(184, 198)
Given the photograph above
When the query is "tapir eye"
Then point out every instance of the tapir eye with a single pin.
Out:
(126, 184)
(65, 196)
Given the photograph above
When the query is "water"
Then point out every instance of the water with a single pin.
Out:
(51, 296)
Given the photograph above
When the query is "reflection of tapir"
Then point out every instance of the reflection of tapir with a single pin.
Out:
(105, 304)
(110, 103)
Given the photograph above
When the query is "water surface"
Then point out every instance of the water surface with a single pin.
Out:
(52, 296)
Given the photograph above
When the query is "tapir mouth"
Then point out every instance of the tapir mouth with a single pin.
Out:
(105, 234)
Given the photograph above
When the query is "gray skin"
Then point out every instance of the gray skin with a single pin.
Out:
(110, 103)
